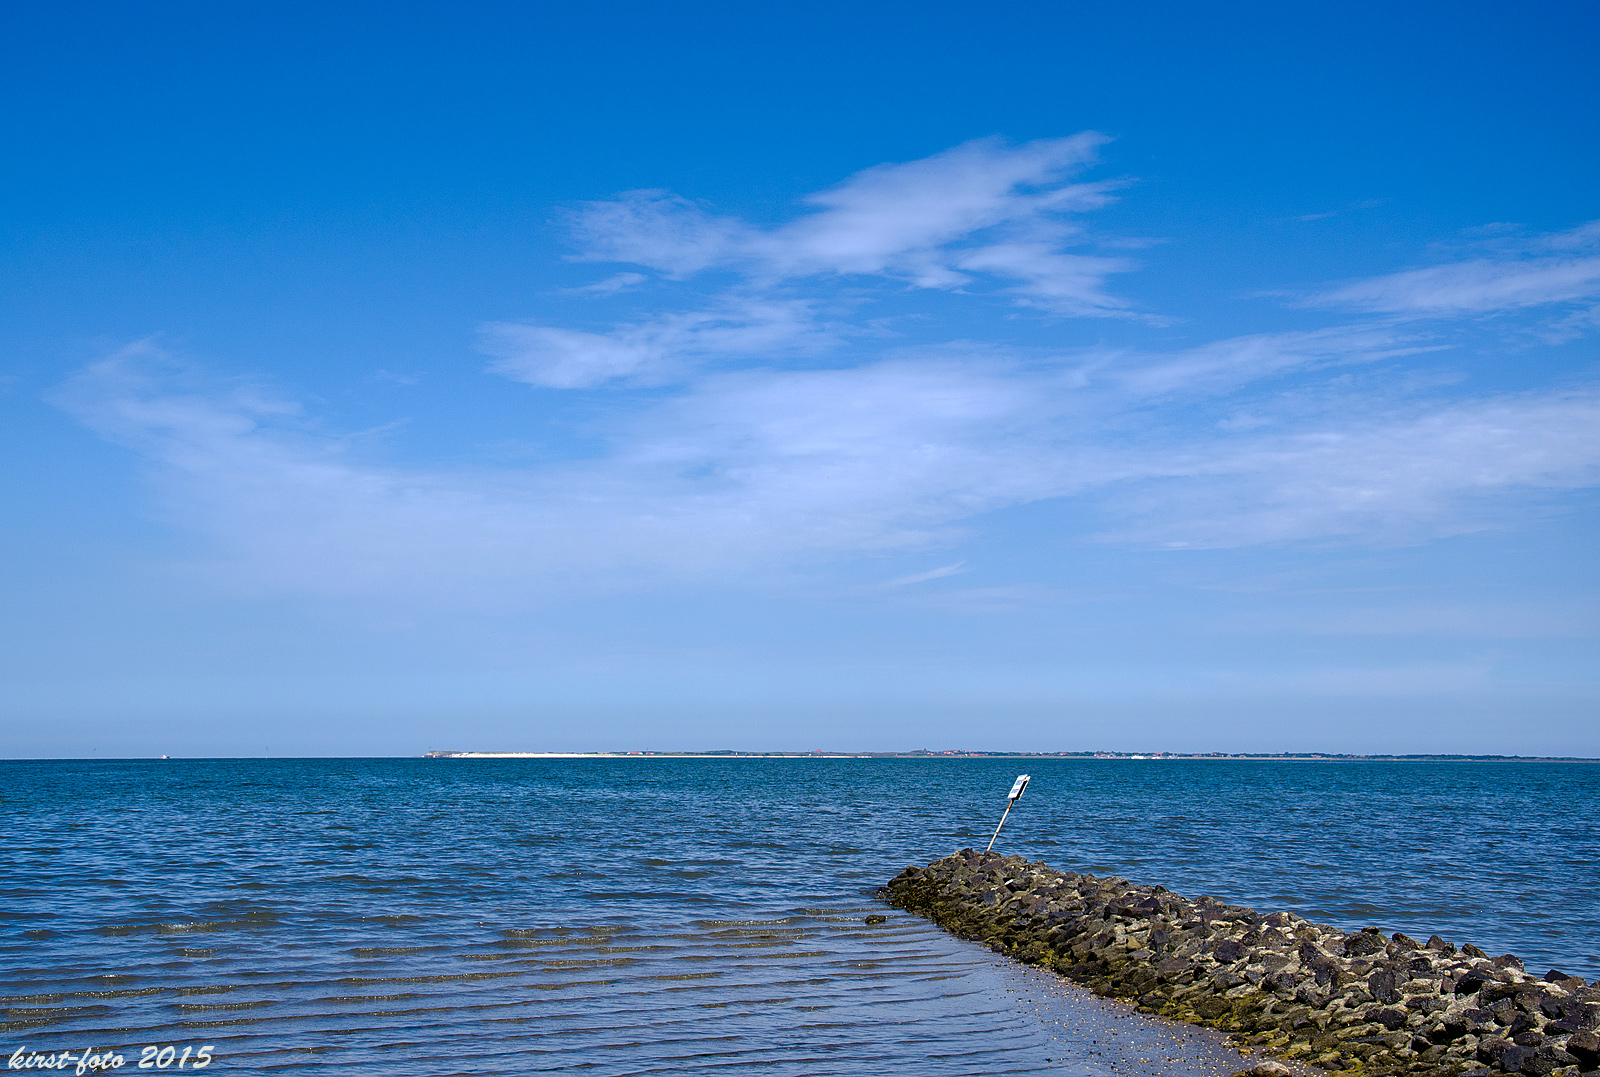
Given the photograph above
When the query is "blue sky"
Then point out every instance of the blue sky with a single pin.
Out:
(1140, 377)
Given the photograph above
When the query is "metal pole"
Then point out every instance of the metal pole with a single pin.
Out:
(1000, 824)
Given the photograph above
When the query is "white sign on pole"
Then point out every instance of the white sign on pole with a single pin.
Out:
(1011, 799)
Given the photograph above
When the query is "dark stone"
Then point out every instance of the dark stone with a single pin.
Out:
(1491, 1049)
(1556, 1056)
(1071, 922)
(876, 919)
(1530, 999)
(1382, 986)
(1369, 940)
(1520, 1024)
(1228, 951)
(1585, 1047)
(1471, 950)
(1281, 983)
(1577, 1015)
(1514, 1058)
(1507, 961)
(1390, 1018)
(1495, 992)
(1171, 966)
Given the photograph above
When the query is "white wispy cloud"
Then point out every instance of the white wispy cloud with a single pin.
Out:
(1226, 364)
(1547, 270)
(743, 470)
(942, 572)
(660, 230)
(661, 348)
(1402, 476)
(756, 470)
(612, 285)
(984, 208)
(739, 460)
(983, 211)
(1048, 278)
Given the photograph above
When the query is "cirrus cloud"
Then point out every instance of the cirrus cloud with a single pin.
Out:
(774, 426)
(762, 471)
(1541, 273)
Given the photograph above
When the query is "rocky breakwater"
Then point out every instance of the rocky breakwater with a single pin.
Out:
(1356, 1001)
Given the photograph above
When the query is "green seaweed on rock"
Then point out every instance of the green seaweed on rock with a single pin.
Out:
(1356, 1002)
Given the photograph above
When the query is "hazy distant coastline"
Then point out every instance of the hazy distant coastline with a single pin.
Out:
(821, 753)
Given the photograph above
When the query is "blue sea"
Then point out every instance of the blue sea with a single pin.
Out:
(646, 916)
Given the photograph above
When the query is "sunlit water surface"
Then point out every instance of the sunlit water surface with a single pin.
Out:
(669, 916)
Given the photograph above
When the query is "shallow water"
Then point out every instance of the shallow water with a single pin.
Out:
(656, 915)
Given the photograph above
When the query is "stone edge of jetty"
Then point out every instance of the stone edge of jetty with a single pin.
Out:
(1350, 1001)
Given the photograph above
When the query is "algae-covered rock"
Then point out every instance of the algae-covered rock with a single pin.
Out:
(1356, 1002)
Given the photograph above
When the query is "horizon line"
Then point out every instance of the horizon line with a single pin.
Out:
(819, 753)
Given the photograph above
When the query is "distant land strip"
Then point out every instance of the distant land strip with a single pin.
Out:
(822, 753)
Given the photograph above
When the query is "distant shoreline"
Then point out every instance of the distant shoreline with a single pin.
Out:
(1307, 757)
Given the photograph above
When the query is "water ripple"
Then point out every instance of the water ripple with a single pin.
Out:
(651, 916)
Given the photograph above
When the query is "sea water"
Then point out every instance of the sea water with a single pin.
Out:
(662, 915)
